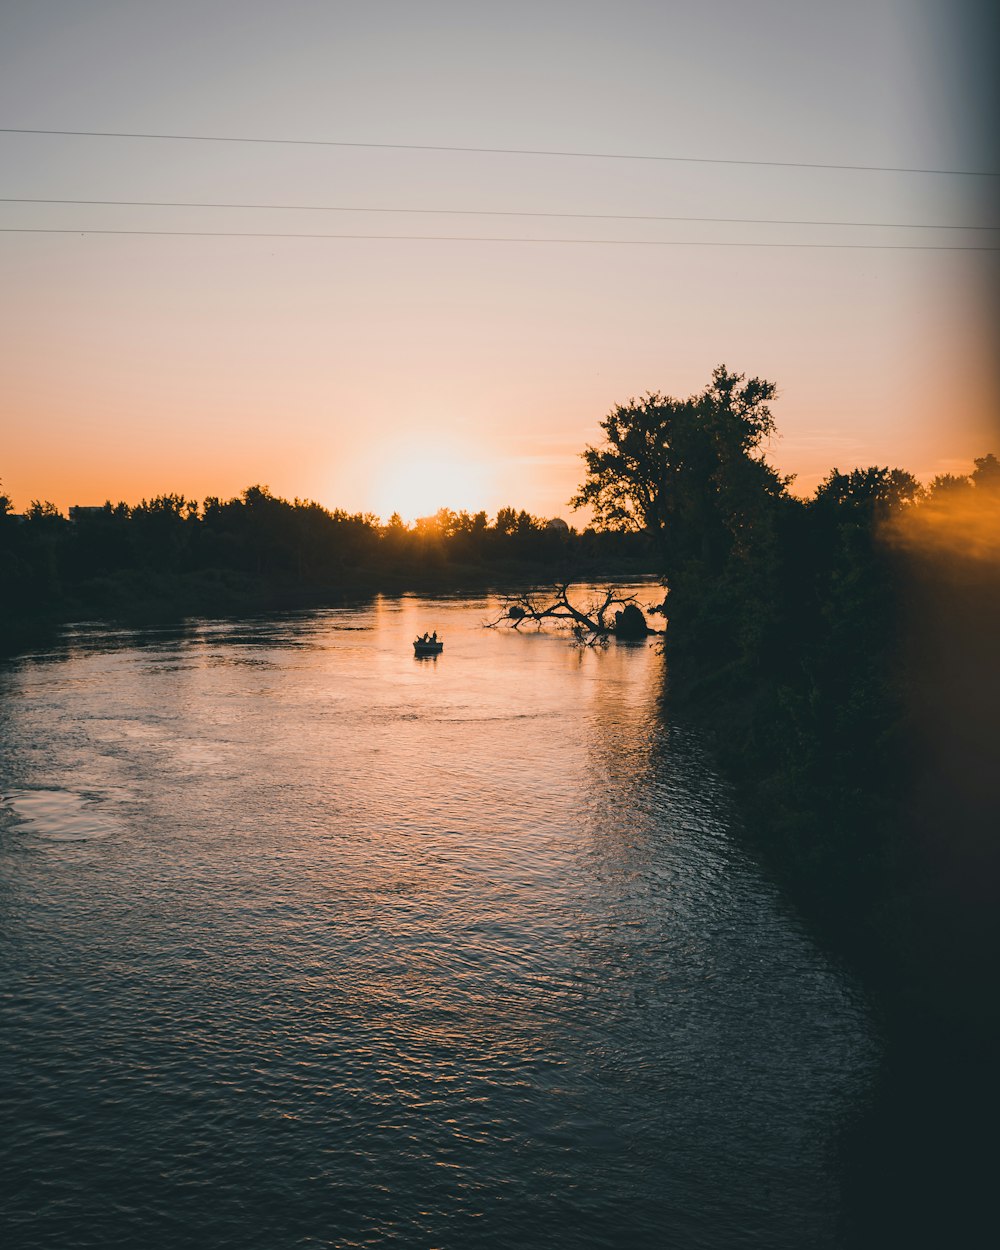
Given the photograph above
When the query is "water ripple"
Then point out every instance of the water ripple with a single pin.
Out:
(373, 954)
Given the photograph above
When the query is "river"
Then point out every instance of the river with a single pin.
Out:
(309, 943)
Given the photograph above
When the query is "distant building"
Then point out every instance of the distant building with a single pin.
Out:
(558, 524)
(79, 512)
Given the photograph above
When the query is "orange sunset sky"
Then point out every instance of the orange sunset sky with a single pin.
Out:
(384, 373)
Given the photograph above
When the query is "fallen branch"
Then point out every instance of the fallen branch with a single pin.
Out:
(613, 614)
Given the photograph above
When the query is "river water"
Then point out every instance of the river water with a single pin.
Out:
(309, 943)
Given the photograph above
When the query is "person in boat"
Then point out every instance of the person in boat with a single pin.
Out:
(434, 636)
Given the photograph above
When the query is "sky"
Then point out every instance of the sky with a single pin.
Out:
(382, 374)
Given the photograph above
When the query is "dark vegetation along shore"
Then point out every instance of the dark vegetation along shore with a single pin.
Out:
(169, 557)
(841, 652)
(841, 649)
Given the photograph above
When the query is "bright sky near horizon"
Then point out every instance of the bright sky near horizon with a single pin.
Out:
(383, 373)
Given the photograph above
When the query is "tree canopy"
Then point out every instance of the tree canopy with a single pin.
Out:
(689, 471)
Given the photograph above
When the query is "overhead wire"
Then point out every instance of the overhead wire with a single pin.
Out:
(493, 212)
(490, 151)
(461, 238)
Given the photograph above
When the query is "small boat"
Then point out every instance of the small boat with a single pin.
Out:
(428, 645)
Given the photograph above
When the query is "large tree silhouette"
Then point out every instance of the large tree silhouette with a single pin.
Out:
(688, 471)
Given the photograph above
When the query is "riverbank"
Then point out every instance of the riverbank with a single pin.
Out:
(149, 597)
(866, 776)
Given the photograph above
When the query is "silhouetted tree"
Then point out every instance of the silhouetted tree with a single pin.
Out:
(506, 521)
(873, 491)
(686, 470)
(986, 475)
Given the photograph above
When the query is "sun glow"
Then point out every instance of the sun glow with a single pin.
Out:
(419, 480)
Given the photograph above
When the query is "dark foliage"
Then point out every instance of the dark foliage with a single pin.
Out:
(842, 651)
(169, 556)
(824, 642)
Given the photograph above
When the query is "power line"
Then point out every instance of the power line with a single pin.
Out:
(441, 147)
(489, 212)
(460, 238)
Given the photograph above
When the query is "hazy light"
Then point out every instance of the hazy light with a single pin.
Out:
(964, 524)
(135, 365)
(416, 479)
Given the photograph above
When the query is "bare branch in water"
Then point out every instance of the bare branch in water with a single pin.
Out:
(593, 623)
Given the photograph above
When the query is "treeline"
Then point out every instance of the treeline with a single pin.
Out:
(863, 730)
(843, 650)
(172, 554)
(846, 655)
(850, 655)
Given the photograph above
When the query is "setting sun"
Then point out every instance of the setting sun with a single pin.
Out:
(418, 480)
